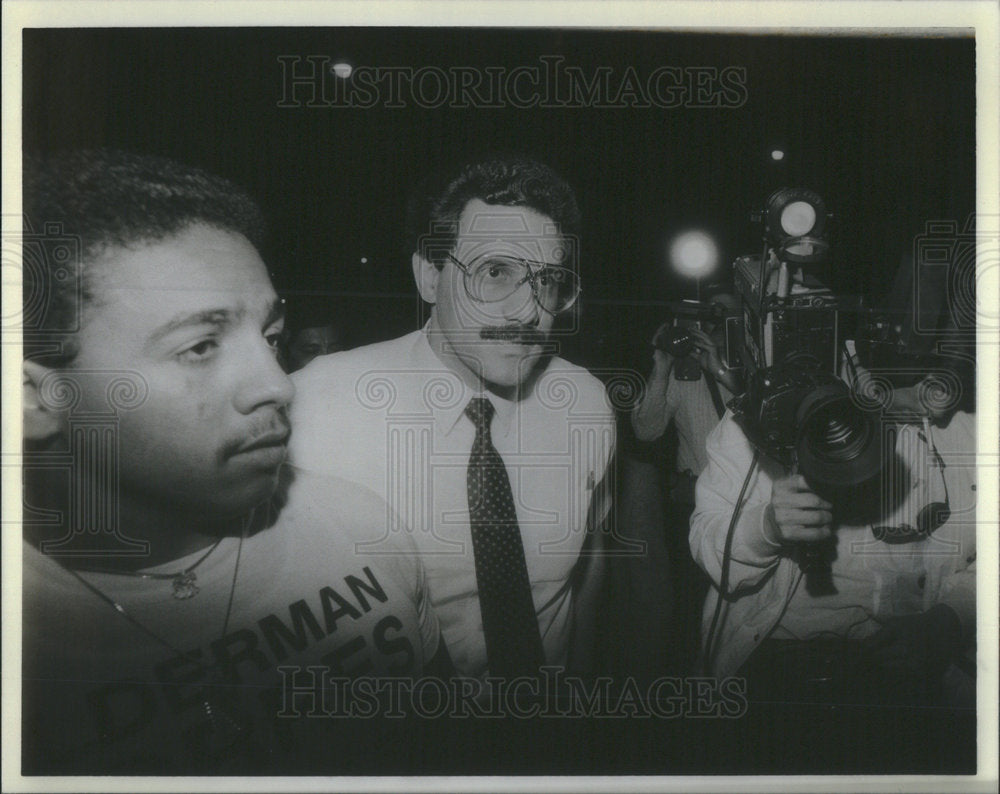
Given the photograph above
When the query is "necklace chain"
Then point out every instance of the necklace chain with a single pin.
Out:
(227, 728)
(144, 628)
(183, 581)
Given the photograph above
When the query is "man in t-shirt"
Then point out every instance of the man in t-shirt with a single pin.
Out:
(178, 579)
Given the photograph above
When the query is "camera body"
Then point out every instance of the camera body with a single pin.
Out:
(796, 409)
(769, 405)
(805, 418)
(806, 325)
(678, 342)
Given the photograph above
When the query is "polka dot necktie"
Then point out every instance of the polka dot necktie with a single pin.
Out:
(513, 643)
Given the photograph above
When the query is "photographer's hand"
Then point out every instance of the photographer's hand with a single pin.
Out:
(661, 359)
(796, 514)
(707, 352)
(706, 349)
(930, 397)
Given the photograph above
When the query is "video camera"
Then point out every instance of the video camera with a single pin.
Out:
(796, 409)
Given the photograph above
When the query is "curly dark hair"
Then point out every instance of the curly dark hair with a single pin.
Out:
(86, 201)
(506, 180)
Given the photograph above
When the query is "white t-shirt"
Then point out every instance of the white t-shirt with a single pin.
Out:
(102, 695)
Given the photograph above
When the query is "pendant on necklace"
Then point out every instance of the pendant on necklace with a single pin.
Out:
(184, 586)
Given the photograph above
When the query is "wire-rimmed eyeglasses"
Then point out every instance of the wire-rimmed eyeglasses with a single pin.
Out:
(491, 278)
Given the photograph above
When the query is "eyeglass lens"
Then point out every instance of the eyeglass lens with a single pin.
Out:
(494, 278)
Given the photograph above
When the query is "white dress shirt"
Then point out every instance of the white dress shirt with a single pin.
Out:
(390, 417)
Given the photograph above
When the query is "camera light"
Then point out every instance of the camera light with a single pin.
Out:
(777, 154)
(343, 69)
(798, 218)
(694, 254)
(803, 249)
(796, 223)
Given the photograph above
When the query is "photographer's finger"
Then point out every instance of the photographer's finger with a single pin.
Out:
(798, 482)
(798, 533)
(802, 516)
(660, 333)
(808, 500)
(799, 500)
(814, 518)
(810, 531)
(793, 483)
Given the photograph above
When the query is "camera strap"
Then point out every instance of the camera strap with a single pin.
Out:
(713, 388)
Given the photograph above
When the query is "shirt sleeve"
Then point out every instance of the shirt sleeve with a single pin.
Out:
(309, 448)
(410, 569)
(659, 403)
(753, 556)
(957, 444)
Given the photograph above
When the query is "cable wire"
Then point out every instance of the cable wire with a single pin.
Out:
(726, 560)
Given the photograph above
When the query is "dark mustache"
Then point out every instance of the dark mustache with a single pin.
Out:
(266, 428)
(521, 334)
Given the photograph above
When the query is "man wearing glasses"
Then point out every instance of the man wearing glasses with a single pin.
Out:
(487, 445)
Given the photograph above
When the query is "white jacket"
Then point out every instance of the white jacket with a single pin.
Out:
(882, 579)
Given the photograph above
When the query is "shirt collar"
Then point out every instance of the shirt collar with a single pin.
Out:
(448, 414)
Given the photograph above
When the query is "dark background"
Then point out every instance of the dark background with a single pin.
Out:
(882, 127)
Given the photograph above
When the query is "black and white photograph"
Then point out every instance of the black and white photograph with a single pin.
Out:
(487, 396)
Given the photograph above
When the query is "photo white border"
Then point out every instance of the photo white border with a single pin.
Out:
(853, 17)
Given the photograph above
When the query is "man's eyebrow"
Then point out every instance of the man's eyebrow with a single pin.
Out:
(217, 317)
(276, 312)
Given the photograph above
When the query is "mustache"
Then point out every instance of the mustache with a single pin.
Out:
(272, 430)
(519, 334)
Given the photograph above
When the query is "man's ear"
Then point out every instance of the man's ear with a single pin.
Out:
(41, 421)
(426, 274)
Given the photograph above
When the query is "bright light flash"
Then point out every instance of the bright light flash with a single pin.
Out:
(343, 69)
(694, 254)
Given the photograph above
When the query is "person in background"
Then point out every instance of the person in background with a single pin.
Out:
(312, 329)
(690, 391)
